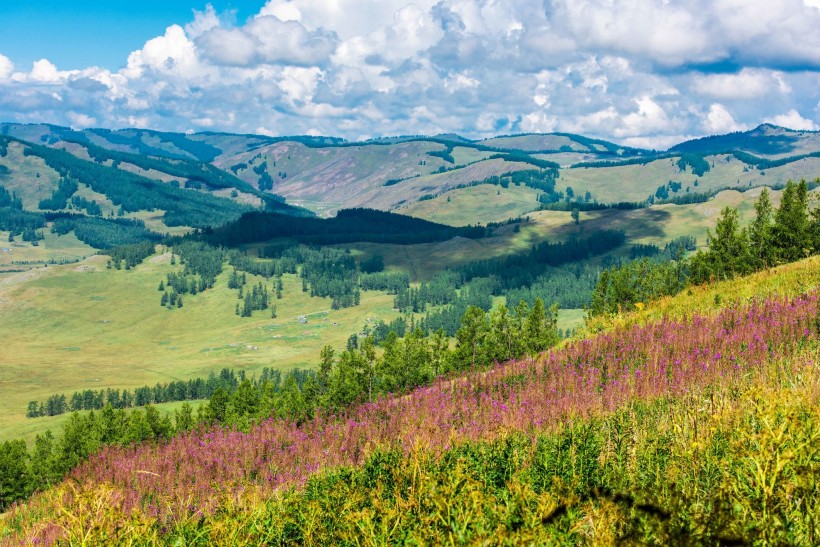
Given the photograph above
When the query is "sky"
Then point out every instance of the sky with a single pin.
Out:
(646, 73)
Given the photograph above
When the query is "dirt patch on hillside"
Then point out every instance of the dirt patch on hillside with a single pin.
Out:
(164, 258)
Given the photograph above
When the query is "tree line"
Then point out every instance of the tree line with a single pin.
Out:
(774, 236)
(133, 192)
(179, 390)
(353, 375)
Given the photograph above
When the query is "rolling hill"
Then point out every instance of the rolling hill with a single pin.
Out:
(325, 174)
(642, 439)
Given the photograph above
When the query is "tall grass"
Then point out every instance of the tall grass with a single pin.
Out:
(620, 421)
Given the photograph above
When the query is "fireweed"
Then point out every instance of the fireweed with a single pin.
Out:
(196, 474)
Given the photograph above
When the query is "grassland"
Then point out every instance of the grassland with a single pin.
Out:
(720, 449)
(637, 182)
(30, 178)
(21, 255)
(477, 204)
(82, 326)
(654, 225)
(79, 326)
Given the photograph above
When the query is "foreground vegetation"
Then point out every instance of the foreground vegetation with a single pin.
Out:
(700, 430)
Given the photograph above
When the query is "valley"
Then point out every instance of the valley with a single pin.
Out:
(320, 274)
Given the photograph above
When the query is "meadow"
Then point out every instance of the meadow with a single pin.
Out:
(484, 203)
(697, 427)
(106, 328)
(637, 182)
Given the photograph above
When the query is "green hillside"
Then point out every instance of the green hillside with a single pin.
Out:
(325, 175)
(766, 140)
(670, 445)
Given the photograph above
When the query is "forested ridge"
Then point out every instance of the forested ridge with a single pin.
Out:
(134, 193)
(351, 225)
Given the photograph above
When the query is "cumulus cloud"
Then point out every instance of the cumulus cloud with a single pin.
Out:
(6, 67)
(720, 120)
(749, 83)
(793, 120)
(80, 120)
(643, 72)
(267, 40)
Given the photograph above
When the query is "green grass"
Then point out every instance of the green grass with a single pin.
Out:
(464, 155)
(637, 182)
(52, 248)
(571, 318)
(481, 204)
(81, 326)
(30, 178)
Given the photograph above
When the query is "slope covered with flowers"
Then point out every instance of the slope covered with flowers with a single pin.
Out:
(217, 479)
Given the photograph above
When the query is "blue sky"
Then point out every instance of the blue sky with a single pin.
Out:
(79, 33)
(640, 72)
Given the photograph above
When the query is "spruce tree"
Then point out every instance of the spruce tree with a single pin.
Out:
(325, 367)
(728, 253)
(791, 223)
(760, 233)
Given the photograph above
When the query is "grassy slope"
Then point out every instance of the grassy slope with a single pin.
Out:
(81, 326)
(30, 178)
(24, 256)
(687, 454)
(637, 182)
(144, 343)
(477, 204)
(535, 142)
(655, 225)
(326, 179)
(789, 280)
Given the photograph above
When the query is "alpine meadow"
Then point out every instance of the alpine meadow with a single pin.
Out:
(425, 272)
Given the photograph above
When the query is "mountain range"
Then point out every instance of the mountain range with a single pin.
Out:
(232, 173)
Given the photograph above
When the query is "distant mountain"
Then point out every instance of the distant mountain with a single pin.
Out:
(765, 140)
(327, 174)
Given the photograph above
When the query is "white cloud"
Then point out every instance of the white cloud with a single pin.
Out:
(650, 118)
(80, 120)
(6, 67)
(43, 72)
(666, 33)
(171, 54)
(793, 120)
(719, 120)
(749, 83)
(203, 22)
(267, 40)
(638, 71)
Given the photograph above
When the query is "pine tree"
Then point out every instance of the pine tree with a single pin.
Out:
(728, 253)
(325, 367)
(540, 329)
(470, 338)
(760, 233)
(791, 223)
